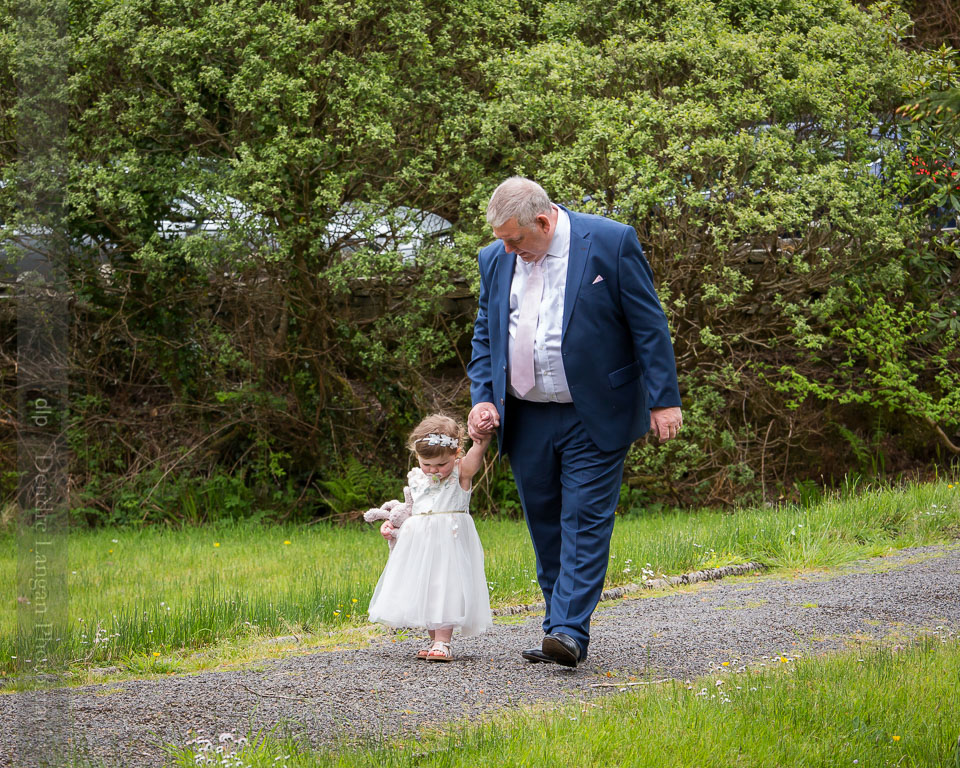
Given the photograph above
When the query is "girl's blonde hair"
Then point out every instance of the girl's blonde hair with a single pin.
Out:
(435, 424)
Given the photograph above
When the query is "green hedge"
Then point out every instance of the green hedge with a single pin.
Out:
(813, 301)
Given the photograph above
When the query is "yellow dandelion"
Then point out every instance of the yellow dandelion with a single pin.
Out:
(155, 654)
(110, 551)
(216, 543)
(286, 542)
(725, 664)
(896, 738)
(353, 600)
(784, 659)
(336, 613)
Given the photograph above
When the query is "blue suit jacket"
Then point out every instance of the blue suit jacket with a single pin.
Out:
(617, 353)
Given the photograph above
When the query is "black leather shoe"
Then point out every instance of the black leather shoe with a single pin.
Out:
(536, 656)
(562, 649)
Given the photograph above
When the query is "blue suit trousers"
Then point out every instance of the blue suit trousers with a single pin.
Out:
(569, 489)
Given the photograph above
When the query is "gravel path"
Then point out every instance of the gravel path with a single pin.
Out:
(382, 689)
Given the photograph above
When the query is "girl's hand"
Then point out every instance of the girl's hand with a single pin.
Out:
(483, 419)
(387, 529)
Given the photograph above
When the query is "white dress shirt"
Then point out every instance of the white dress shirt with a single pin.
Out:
(550, 381)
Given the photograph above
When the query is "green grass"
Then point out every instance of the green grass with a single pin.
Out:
(881, 707)
(134, 593)
(153, 590)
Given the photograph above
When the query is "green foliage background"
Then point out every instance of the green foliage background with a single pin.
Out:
(255, 368)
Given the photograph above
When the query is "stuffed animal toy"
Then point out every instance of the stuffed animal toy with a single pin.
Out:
(394, 511)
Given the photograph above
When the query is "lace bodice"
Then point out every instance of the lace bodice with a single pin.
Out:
(433, 495)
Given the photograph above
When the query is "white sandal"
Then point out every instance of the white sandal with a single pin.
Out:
(440, 652)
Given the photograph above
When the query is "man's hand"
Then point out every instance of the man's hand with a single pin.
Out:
(482, 421)
(666, 422)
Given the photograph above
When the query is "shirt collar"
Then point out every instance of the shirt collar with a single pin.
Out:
(560, 244)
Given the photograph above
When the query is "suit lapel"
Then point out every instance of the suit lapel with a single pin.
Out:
(505, 264)
(576, 263)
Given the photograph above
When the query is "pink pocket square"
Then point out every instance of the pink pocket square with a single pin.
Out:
(597, 279)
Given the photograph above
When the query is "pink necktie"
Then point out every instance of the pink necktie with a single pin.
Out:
(521, 363)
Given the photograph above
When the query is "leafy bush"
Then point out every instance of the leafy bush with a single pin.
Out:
(755, 148)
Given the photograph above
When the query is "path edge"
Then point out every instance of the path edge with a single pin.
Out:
(615, 593)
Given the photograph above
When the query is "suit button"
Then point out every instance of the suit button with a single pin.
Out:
(501, 401)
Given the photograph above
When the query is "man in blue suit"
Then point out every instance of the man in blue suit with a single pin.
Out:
(572, 361)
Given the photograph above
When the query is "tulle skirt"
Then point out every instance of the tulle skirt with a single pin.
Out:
(434, 577)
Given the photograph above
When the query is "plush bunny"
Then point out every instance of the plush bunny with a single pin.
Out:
(394, 511)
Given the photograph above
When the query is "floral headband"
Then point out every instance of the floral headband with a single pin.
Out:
(444, 441)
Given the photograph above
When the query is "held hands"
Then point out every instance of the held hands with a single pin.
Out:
(666, 422)
(482, 421)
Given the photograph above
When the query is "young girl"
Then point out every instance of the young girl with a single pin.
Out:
(434, 577)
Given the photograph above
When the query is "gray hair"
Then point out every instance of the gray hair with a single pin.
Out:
(518, 198)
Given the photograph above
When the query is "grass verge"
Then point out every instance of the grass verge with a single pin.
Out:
(887, 706)
(137, 596)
